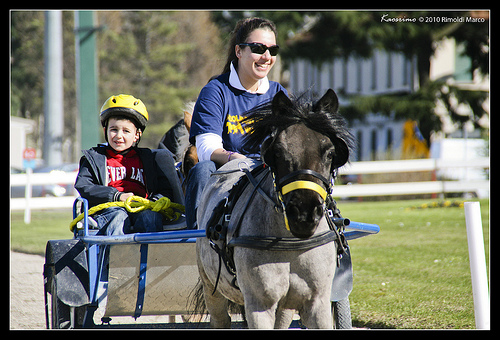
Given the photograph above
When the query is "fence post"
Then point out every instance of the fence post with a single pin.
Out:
(27, 195)
(477, 261)
(434, 178)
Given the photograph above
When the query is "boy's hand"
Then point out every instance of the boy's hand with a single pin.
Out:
(125, 195)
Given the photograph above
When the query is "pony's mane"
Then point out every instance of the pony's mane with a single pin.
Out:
(263, 123)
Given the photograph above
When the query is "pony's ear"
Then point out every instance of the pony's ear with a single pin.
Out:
(341, 153)
(329, 102)
(280, 103)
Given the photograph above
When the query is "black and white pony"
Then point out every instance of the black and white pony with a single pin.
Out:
(291, 263)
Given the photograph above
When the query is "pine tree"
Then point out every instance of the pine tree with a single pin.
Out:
(345, 33)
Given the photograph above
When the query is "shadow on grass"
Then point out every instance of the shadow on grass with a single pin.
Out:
(371, 324)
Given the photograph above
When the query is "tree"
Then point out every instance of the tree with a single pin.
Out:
(27, 74)
(26, 62)
(346, 33)
(163, 58)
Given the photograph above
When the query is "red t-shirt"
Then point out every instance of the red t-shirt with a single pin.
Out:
(126, 172)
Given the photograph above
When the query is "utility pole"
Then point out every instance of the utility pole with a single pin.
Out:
(86, 78)
(53, 89)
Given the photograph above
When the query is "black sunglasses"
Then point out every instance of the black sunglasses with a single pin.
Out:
(261, 48)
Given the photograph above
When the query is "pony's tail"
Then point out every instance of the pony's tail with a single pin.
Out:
(198, 309)
(196, 304)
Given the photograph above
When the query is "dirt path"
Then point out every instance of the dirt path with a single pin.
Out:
(27, 302)
(26, 291)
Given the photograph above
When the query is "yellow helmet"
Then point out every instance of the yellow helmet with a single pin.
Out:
(125, 105)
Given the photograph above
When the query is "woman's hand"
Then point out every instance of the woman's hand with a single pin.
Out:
(221, 156)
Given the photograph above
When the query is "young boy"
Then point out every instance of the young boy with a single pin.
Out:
(119, 170)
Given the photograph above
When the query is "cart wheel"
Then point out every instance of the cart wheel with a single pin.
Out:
(63, 316)
(341, 311)
(59, 312)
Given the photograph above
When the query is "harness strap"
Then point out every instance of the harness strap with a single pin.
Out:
(309, 172)
(304, 185)
(257, 186)
(283, 243)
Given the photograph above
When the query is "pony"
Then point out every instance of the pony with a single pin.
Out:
(273, 246)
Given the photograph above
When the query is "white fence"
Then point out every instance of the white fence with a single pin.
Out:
(448, 167)
(353, 190)
(28, 202)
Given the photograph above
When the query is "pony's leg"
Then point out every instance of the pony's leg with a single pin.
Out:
(317, 314)
(260, 318)
(217, 306)
(262, 286)
(283, 318)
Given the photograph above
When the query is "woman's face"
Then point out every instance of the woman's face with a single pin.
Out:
(252, 66)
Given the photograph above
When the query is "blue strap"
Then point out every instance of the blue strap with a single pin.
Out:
(142, 281)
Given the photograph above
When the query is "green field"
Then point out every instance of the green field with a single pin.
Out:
(413, 274)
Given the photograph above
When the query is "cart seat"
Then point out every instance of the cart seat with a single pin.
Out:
(166, 163)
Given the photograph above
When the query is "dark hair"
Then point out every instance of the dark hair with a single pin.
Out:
(240, 34)
(263, 122)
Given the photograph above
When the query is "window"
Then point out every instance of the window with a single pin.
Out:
(390, 141)
(389, 70)
(374, 145)
(462, 65)
(359, 153)
(374, 71)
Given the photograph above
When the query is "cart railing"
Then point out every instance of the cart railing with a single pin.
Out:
(353, 230)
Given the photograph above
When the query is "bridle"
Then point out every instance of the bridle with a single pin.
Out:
(303, 184)
(336, 222)
(218, 224)
(282, 187)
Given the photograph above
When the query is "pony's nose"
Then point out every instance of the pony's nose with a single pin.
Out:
(301, 215)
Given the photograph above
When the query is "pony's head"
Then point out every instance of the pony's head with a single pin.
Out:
(303, 143)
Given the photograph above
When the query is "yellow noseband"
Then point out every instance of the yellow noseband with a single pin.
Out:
(304, 185)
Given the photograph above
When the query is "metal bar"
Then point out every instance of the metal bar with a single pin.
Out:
(85, 203)
(141, 290)
(358, 229)
(363, 227)
(355, 230)
(158, 237)
(353, 234)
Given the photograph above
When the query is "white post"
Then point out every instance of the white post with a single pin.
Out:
(477, 261)
(53, 101)
(27, 195)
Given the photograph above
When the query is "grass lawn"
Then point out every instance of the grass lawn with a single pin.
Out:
(45, 225)
(413, 274)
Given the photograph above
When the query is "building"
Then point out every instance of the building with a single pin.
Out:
(378, 137)
(19, 128)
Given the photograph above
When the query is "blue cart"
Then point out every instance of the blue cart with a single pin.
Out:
(90, 277)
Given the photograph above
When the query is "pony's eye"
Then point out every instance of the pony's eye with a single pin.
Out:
(330, 154)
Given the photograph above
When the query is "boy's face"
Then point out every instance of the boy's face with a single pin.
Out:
(122, 134)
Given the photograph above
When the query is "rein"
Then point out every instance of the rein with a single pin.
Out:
(282, 189)
(219, 222)
(217, 226)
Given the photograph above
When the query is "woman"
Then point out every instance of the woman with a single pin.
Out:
(215, 128)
